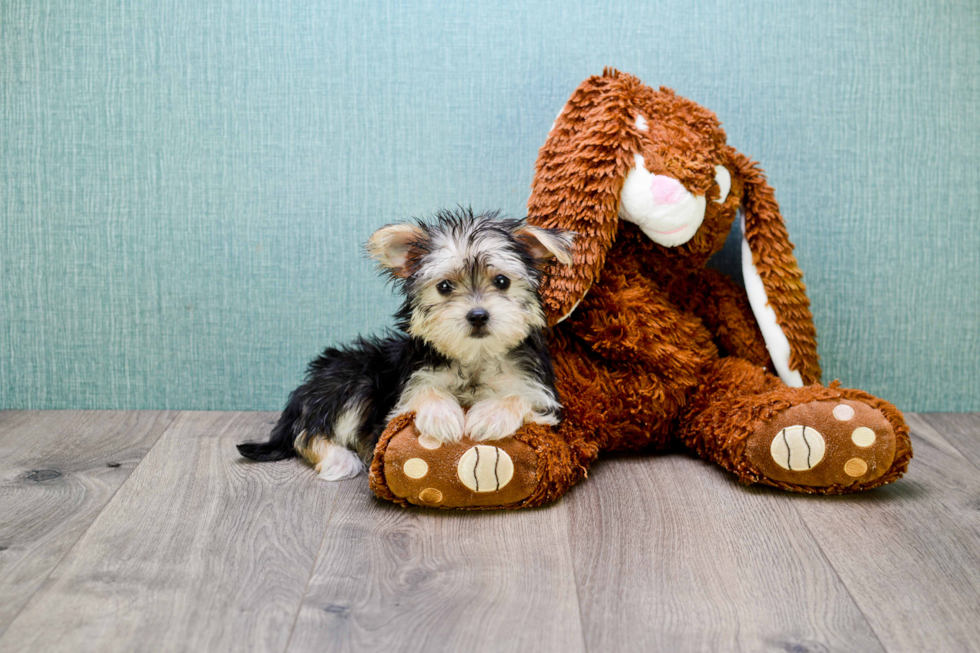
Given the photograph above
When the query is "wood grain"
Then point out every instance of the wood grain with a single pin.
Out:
(909, 553)
(962, 430)
(672, 554)
(198, 551)
(396, 579)
(57, 472)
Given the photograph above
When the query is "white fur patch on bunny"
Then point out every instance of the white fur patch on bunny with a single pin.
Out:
(772, 333)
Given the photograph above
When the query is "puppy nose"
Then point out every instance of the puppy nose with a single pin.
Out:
(478, 317)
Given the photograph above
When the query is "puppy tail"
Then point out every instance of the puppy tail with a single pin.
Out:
(280, 444)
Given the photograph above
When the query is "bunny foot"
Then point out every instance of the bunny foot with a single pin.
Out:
(410, 468)
(843, 444)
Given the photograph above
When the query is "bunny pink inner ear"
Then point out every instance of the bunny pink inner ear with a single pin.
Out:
(390, 246)
(544, 244)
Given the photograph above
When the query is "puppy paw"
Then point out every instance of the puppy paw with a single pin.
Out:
(442, 420)
(339, 463)
(492, 420)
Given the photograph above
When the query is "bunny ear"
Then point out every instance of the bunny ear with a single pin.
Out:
(577, 182)
(773, 280)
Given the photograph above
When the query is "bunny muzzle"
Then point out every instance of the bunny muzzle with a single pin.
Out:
(668, 213)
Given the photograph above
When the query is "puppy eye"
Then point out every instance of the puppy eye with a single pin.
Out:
(444, 287)
(502, 282)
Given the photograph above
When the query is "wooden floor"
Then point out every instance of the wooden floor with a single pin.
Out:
(140, 531)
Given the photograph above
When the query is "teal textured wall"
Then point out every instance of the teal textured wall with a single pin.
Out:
(184, 185)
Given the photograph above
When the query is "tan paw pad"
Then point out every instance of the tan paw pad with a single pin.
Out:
(843, 412)
(855, 467)
(431, 496)
(485, 469)
(415, 468)
(863, 437)
(797, 448)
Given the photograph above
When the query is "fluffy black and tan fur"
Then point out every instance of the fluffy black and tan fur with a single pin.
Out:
(466, 355)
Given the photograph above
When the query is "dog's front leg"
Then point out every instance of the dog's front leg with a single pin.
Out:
(496, 417)
(437, 414)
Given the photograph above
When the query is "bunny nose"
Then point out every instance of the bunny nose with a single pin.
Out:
(478, 317)
(666, 190)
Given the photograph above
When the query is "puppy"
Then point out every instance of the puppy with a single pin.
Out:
(468, 336)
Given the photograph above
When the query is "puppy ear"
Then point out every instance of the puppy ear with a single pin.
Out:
(390, 246)
(578, 178)
(774, 281)
(546, 244)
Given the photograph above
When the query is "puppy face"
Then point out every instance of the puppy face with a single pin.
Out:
(473, 297)
(470, 280)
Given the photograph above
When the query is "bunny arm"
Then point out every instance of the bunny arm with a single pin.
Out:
(725, 311)
(626, 317)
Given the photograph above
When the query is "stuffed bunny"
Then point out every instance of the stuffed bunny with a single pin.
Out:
(650, 347)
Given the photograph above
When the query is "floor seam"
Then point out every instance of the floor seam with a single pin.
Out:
(81, 535)
(823, 554)
(316, 561)
(575, 575)
(944, 438)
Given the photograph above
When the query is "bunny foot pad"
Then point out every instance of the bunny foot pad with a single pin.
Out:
(419, 470)
(824, 443)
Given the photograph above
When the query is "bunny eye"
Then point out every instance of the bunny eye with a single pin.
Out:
(724, 180)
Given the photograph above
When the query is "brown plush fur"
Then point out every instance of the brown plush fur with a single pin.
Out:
(376, 474)
(650, 347)
(659, 347)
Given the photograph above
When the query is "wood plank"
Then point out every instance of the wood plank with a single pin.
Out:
(672, 554)
(199, 551)
(58, 470)
(962, 430)
(909, 553)
(396, 579)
